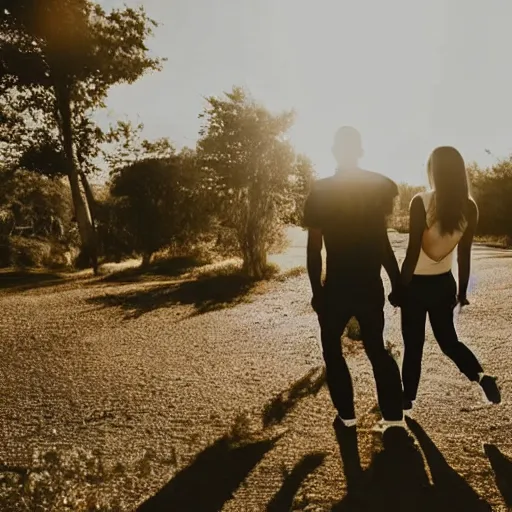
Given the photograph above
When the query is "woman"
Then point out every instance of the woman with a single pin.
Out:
(442, 220)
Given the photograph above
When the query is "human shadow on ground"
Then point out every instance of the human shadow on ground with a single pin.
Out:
(502, 467)
(450, 489)
(276, 410)
(206, 293)
(397, 478)
(217, 472)
(161, 269)
(212, 478)
(283, 499)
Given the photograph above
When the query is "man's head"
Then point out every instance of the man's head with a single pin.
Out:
(347, 148)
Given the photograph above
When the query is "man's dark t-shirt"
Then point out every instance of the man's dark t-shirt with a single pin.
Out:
(351, 210)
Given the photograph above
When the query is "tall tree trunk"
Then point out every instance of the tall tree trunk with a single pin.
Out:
(82, 214)
(89, 196)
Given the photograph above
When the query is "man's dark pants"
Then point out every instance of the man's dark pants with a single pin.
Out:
(342, 301)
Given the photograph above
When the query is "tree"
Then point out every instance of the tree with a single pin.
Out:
(492, 189)
(126, 146)
(154, 204)
(58, 59)
(252, 172)
(34, 218)
(406, 193)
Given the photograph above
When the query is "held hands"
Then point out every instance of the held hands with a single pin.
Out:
(396, 297)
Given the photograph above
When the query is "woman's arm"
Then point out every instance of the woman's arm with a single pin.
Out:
(464, 252)
(417, 225)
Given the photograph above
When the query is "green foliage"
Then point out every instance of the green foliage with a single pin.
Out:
(492, 190)
(58, 59)
(71, 51)
(253, 176)
(35, 219)
(34, 204)
(154, 203)
(126, 146)
(400, 218)
(33, 252)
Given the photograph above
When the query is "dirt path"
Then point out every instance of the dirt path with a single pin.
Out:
(132, 368)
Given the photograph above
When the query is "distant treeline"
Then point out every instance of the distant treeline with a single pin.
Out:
(492, 190)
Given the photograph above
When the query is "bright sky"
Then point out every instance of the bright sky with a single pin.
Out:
(409, 75)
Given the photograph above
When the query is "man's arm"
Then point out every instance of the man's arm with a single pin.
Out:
(314, 260)
(390, 264)
(312, 220)
(464, 252)
(417, 225)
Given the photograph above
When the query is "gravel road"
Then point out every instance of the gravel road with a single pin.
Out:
(230, 405)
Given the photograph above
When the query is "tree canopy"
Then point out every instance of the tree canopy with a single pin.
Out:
(58, 59)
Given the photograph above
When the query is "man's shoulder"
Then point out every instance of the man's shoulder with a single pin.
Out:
(380, 180)
(363, 177)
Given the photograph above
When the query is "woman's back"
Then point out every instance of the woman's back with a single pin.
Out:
(437, 248)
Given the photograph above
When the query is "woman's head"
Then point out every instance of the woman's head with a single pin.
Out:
(448, 177)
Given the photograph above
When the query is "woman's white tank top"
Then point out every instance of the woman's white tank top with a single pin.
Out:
(436, 254)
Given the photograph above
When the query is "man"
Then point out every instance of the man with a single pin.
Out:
(348, 213)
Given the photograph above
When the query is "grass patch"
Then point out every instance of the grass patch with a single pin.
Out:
(497, 242)
(164, 268)
(291, 273)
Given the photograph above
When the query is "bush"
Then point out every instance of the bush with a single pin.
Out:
(21, 252)
(256, 182)
(35, 224)
(153, 204)
(400, 218)
(399, 222)
(492, 190)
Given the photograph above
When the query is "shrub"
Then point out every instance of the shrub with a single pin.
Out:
(492, 189)
(153, 204)
(256, 182)
(22, 252)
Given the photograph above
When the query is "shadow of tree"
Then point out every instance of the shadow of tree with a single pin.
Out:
(276, 410)
(211, 480)
(206, 293)
(283, 499)
(397, 478)
(217, 472)
(502, 467)
(23, 280)
(165, 268)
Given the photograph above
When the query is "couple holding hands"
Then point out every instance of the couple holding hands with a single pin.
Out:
(348, 213)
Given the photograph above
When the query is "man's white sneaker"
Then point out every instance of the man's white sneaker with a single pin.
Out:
(348, 423)
(383, 425)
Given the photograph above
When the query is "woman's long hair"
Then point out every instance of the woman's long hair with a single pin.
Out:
(448, 177)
